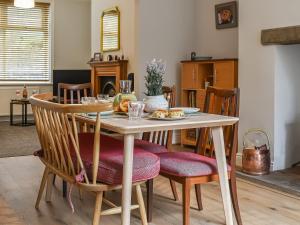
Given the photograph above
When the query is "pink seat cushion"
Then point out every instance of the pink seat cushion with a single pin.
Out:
(149, 147)
(187, 164)
(145, 164)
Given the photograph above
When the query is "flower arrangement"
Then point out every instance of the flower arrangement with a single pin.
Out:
(156, 69)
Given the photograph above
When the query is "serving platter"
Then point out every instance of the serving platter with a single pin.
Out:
(104, 113)
(187, 110)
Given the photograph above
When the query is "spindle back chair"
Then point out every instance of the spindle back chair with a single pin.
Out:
(72, 93)
(58, 130)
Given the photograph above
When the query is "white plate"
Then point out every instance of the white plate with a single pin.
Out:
(167, 118)
(105, 113)
(187, 110)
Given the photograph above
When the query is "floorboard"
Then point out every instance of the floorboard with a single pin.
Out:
(20, 178)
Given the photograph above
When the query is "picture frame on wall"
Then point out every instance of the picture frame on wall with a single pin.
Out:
(226, 15)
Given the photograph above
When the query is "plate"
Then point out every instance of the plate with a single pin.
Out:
(187, 110)
(167, 118)
(105, 113)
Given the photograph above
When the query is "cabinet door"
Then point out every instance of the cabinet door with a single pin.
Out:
(189, 75)
(225, 74)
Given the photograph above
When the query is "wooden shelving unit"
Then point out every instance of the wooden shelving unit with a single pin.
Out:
(220, 73)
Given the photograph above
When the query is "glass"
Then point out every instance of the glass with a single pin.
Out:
(88, 100)
(125, 86)
(18, 94)
(84, 100)
(135, 110)
(102, 97)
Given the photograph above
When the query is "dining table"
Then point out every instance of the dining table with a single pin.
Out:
(129, 129)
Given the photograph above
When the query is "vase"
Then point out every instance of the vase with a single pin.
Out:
(153, 103)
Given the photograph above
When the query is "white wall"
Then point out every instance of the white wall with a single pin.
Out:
(71, 45)
(165, 30)
(72, 34)
(218, 43)
(257, 63)
(127, 9)
(287, 106)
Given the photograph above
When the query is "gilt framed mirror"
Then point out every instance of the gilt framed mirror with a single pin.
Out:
(110, 30)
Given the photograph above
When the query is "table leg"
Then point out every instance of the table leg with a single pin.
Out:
(11, 113)
(218, 139)
(127, 178)
(25, 105)
(23, 121)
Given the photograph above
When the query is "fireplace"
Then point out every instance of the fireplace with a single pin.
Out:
(107, 85)
(106, 76)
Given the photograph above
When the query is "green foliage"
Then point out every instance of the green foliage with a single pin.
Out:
(154, 78)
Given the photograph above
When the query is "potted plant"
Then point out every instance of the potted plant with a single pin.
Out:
(154, 81)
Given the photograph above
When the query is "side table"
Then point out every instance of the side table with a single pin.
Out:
(24, 103)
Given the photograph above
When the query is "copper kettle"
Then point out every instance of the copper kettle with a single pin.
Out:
(256, 156)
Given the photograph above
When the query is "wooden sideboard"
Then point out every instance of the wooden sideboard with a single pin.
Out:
(222, 73)
(113, 71)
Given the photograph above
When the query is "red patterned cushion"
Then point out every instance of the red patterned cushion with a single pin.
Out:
(187, 164)
(145, 164)
(149, 147)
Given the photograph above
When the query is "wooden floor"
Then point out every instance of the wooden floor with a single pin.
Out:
(20, 177)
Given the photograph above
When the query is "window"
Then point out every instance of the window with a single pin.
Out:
(24, 43)
(110, 30)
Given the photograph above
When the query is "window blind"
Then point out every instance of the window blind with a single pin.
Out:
(110, 26)
(25, 42)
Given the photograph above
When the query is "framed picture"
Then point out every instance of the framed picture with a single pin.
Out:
(226, 15)
(97, 56)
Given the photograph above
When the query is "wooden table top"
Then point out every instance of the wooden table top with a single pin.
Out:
(125, 126)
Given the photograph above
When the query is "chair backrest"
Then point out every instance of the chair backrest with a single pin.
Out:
(222, 102)
(58, 133)
(163, 138)
(72, 93)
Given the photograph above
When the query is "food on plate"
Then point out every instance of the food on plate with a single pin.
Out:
(173, 113)
(160, 113)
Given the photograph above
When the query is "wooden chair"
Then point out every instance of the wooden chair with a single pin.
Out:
(195, 169)
(164, 141)
(222, 102)
(75, 157)
(72, 93)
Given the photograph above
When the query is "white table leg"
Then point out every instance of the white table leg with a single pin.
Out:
(127, 178)
(218, 139)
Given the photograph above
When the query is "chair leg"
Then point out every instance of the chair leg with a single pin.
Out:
(141, 204)
(198, 196)
(49, 187)
(42, 187)
(54, 178)
(65, 188)
(174, 190)
(186, 201)
(149, 185)
(97, 210)
(234, 198)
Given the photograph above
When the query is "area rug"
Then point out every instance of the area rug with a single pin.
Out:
(17, 141)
